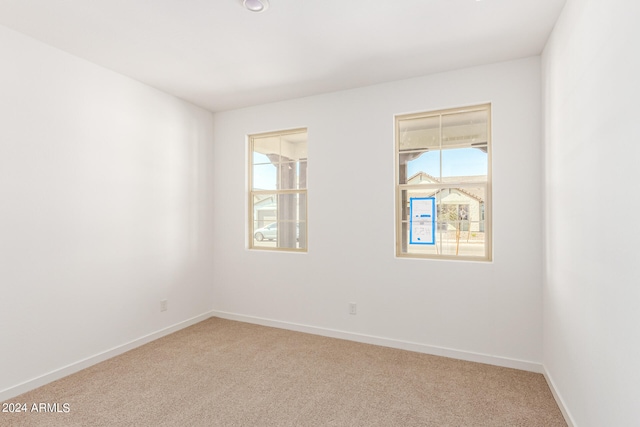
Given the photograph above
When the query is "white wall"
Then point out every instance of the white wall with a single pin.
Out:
(104, 211)
(480, 311)
(592, 237)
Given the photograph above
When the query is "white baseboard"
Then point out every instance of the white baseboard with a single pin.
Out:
(90, 361)
(556, 395)
(332, 333)
(388, 342)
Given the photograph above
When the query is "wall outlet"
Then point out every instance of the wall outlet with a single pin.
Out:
(164, 305)
(353, 308)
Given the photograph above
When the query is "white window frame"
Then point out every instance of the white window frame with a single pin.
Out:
(301, 191)
(402, 205)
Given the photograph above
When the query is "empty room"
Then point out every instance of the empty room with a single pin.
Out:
(281, 212)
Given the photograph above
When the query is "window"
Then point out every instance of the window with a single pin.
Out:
(443, 184)
(278, 190)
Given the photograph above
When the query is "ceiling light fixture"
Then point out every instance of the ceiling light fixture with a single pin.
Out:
(256, 5)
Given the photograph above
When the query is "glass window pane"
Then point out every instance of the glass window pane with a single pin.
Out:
(420, 167)
(294, 146)
(293, 175)
(281, 234)
(421, 133)
(260, 159)
(465, 129)
(408, 228)
(265, 210)
(459, 222)
(264, 177)
(470, 163)
(419, 148)
(268, 146)
(302, 174)
(302, 207)
(288, 207)
(288, 234)
(464, 144)
(291, 213)
(265, 235)
(279, 221)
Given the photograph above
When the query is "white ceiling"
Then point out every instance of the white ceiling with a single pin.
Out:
(217, 55)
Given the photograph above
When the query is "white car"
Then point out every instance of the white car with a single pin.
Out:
(270, 232)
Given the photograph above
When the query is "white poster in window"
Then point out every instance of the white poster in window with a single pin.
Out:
(422, 211)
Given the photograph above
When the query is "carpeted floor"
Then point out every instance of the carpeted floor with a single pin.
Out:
(225, 373)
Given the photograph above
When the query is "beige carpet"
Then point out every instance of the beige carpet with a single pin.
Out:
(225, 373)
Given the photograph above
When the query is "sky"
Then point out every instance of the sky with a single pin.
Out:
(458, 162)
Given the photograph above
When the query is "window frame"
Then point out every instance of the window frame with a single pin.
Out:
(485, 206)
(302, 228)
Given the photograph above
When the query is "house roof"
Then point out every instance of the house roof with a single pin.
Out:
(469, 191)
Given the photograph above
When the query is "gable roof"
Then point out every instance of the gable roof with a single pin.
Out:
(423, 177)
